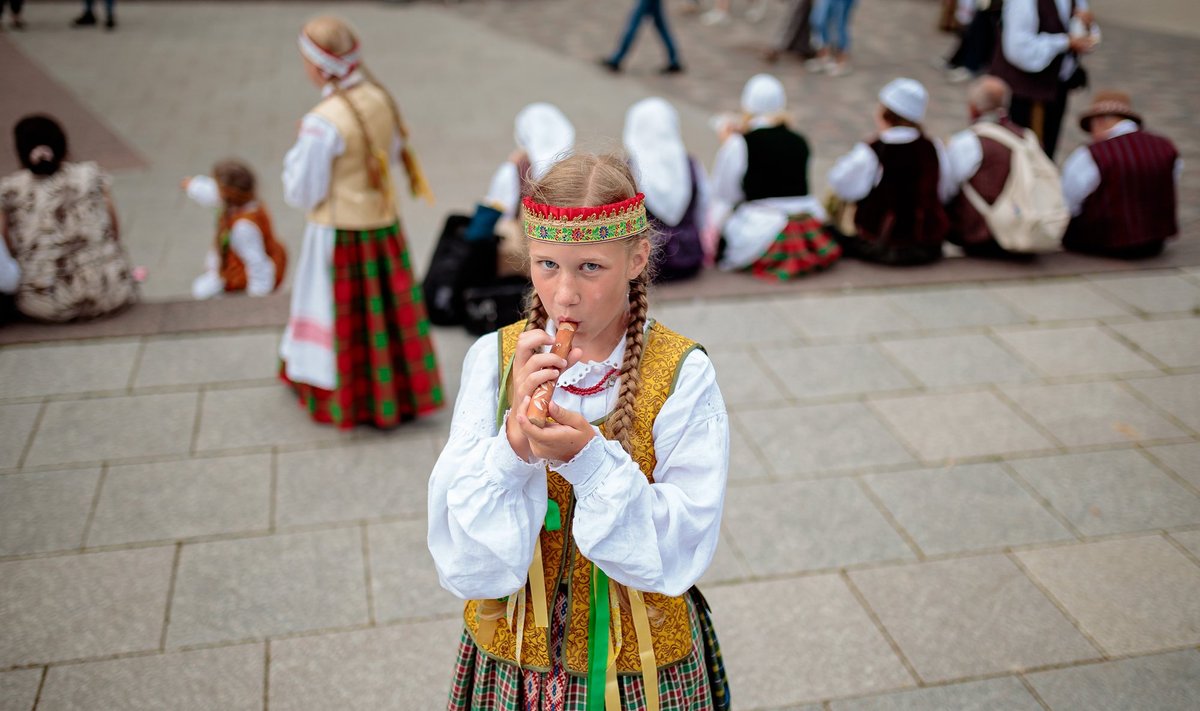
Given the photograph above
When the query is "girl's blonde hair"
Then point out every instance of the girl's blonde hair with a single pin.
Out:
(588, 180)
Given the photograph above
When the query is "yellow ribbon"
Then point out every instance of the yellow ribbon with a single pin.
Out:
(537, 588)
(641, 625)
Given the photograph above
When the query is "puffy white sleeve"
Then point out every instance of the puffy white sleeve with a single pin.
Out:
(658, 537)
(946, 187)
(247, 242)
(309, 163)
(1022, 44)
(486, 504)
(1080, 178)
(504, 192)
(203, 191)
(964, 155)
(855, 174)
(725, 184)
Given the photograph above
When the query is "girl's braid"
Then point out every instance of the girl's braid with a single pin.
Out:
(621, 421)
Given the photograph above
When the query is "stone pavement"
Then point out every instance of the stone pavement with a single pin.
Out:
(968, 496)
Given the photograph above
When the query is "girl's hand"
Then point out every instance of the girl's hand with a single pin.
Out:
(560, 440)
(530, 369)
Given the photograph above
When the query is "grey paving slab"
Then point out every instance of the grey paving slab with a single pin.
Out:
(964, 508)
(1175, 342)
(1163, 682)
(820, 643)
(183, 499)
(1190, 540)
(959, 425)
(1004, 694)
(1177, 394)
(742, 379)
(1154, 294)
(27, 371)
(16, 424)
(805, 441)
(392, 668)
(46, 511)
(258, 587)
(1080, 414)
(946, 361)
(825, 371)
(113, 428)
(744, 463)
(403, 579)
(227, 678)
(73, 607)
(1132, 596)
(210, 358)
(1183, 459)
(725, 566)
(970, 616)
(955, 308)
(258, 416)
(813, 525)
(1111, 492)
(1080, 350)
(350, 483)
(729, 323)
(847, 316)
(1061, 301)
(18, 689)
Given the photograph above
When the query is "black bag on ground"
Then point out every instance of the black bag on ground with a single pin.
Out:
(487, 308)
(457, 264)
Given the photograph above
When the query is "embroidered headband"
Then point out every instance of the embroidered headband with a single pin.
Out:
(618, 220)
(328, 62)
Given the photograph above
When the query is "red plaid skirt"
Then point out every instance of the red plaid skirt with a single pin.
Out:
(801, 248)
(386, 369)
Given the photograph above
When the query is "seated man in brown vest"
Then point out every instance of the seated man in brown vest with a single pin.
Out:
(1120, 189)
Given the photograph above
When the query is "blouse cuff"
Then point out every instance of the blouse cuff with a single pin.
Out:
(507, 469)
(586, 470)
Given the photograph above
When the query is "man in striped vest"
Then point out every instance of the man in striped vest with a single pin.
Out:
(1121, 188)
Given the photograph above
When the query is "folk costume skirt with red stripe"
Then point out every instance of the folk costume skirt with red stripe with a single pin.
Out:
(386, 368)
(801, 248)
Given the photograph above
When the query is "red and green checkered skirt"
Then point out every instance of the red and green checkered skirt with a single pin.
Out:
(386, 369)
(801, 248)
(697, 683)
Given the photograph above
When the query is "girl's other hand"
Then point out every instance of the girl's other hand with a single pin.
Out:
(530, 369)
(561, 439)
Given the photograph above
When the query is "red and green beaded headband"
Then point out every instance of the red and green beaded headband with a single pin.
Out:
(603, 223)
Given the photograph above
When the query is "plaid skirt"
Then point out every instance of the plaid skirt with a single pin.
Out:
(697, 683)
(386, 369)
(801, 248)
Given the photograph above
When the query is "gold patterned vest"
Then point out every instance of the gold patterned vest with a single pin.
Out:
(487, 620)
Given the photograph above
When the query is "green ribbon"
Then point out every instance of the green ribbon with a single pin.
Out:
(599, 617)
(553, 516)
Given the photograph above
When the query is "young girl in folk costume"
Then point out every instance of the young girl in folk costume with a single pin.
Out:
(357, 347)
(578, 544)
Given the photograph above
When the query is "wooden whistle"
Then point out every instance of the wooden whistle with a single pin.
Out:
(539, 404)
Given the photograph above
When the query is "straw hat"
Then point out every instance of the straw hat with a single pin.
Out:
(1109, 103)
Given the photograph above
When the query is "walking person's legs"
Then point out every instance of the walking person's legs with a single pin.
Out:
(639, 11)
(841, 13)
(659, 13)
(820, 29)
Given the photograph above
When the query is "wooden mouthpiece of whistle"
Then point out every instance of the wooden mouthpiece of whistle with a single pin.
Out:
(539, 404)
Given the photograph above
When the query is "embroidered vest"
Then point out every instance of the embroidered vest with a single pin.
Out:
(904, 209)
(670, 625)
(233, 271)
(1135, 202)
(352, 203)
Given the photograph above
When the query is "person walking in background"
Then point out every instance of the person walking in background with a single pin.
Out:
(88, 18)
(641, 10)
(830, 18)
(14, 7)
(796, 37)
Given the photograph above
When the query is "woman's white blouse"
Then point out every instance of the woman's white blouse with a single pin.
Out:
(487, 505)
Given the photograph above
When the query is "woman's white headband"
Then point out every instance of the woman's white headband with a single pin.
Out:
(331, 64)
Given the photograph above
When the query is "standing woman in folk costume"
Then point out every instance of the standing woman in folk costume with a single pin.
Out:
(577, 545)
(357, 348)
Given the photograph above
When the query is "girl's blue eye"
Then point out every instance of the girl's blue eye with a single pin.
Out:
(547, 264)
(590, 267)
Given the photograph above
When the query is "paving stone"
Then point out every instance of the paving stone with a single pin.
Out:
(27, 371)
(1153, 294)
(1163, 682)
(1081, 414)
(210, 358)
(819, 643)
(350, 483)
(16, 424)
(1111, 492)
(725, 567)
(399, 667)
(847, 316)
(1175, 342)
(1132, 596)
(1061, 301)
(959, 425)
(730, 323)
(227, 678)
(182, 499)
(258, 587)
(791, 527)
(744, 463)
(1177, 394)
(969, 617)
(1190, 540)
(404, 580)
(46, 511)
(1083, 350)
(1004, 694)
(258, 416)
(964, 508)
(1183, 459)
(73, 607)
(825, 371)
(955, 308)
(114, 428)
(804, 441)
(18, 689)
(743, 380)
(947, 361)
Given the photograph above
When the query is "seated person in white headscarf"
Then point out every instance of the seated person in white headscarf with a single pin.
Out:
(761, 207)
(675, 185)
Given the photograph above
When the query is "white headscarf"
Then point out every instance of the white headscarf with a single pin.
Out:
(546, 135)
(659, 158)
(763, 95)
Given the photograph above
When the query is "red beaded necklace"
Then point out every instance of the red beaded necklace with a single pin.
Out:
(607, 380)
